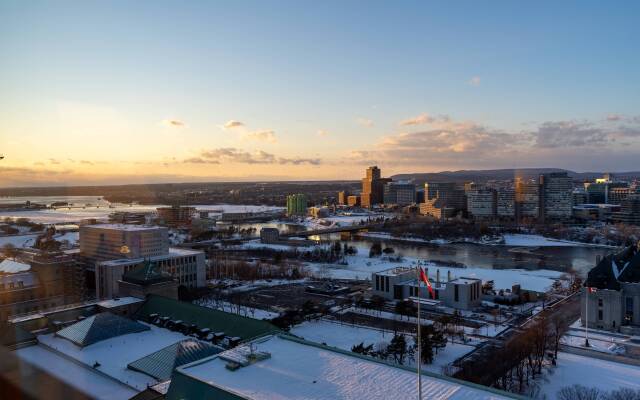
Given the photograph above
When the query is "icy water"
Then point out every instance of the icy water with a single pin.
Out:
(561, 258)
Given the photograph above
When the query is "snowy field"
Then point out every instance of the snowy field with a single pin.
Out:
(489, 329)
(244, 311)
(243, 286)
(360, 266)
(591, 372)
(23, 241)
(345, 337)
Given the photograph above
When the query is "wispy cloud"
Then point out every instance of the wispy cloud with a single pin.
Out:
(366, 122)
(322, 133)
(614, 117)
(54, 161)
(266, 135)
(421, 119)
(86, 162)
(474, 81)
(233, 124)
(173, 123)
(234, 155)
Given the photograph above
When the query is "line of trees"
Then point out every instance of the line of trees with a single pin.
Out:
(519, 361)
(400, 351)
(579, 392)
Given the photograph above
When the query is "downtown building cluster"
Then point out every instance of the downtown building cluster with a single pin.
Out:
(551, 197)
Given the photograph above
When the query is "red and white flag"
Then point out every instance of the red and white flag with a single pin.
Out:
(423, 278)
(591, 289)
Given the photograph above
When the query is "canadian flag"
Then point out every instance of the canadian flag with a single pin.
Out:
(591, 289)
(423, 278)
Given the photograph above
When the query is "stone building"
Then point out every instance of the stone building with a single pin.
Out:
(614, 295)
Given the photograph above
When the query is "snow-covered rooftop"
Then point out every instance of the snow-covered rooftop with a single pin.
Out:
(116, 353)
(124, 227)
(299, 370)
(119, 301)
(12, 267)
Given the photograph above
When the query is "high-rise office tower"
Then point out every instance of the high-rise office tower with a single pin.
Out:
(556, 202)
(373, 187)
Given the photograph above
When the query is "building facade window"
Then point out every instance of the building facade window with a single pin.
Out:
(455, 293)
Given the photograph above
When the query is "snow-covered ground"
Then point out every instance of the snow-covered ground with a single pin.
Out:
(360, 266)
(596, 343)
(102, 213)
(19, 241)
(22, 241)
(489, 329)
(523, 240)
(345, 336)
(243, 286)
(591, 372)
(244, 311)
(256, 244)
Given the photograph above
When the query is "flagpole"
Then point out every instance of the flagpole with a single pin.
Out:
(418, 268)
(586, 316)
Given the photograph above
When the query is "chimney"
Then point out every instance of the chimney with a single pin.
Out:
(449, 276)
(438, 275)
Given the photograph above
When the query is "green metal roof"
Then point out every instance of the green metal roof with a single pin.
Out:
(146, 273)
(100, 327)
(161, 364)
(218, 321)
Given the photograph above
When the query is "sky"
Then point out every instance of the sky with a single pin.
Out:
(168, 91)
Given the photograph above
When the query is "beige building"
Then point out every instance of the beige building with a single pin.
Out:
(187, 267)
(115, 241)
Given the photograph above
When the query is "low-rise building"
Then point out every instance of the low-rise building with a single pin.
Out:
(176, 215)
(319, 212)
(269, 235)
(285, 367)
(187, 267)
(353, 201)
(402, 283)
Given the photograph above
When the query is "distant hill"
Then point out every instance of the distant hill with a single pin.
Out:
(501, 174)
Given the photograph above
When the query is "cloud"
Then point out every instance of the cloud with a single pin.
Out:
(421, 119)
(322, 133)
(364, 122)
(553, 134)
(614, 117)
(474, 81)
(233, 124)
(446, 143)
(86, 162)
(299, 161)
(54, 161)
(234, 155)
(266, 135)
(173, 123)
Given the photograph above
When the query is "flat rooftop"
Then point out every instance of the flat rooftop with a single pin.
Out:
(124, 227)
(173, 252)
(395, 271)
(302, 370)
(466, 281)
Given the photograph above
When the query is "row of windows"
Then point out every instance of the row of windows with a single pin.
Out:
(12, 285)
(382, 283)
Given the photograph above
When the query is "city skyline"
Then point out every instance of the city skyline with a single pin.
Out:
(109, 93)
